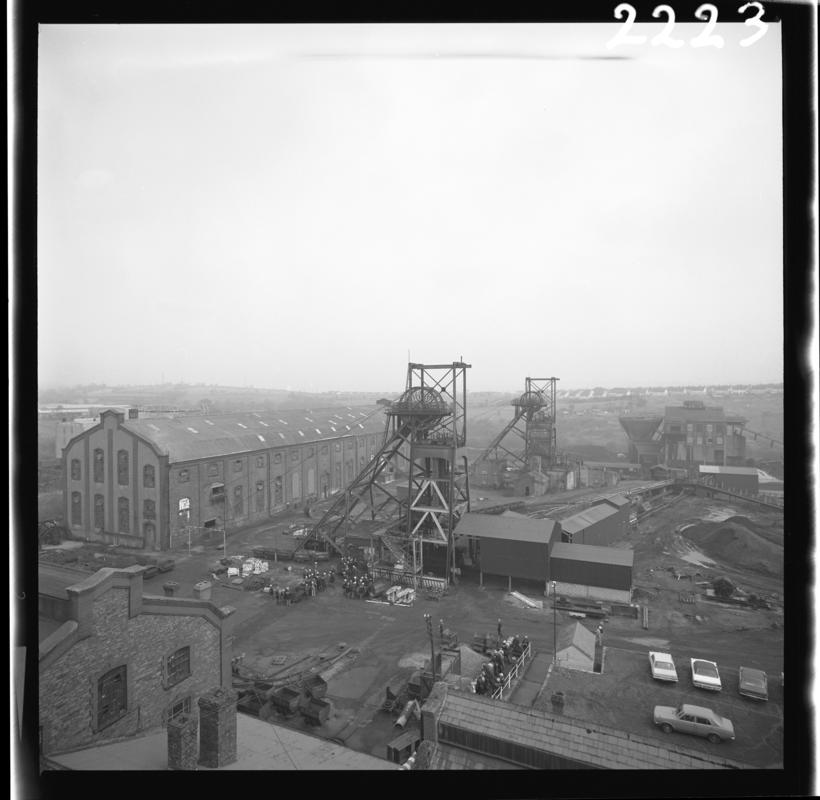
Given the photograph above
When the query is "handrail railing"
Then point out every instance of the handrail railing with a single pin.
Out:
(517, 668)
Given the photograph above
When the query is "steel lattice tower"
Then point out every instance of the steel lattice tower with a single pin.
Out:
(533, 423)
(424, 440)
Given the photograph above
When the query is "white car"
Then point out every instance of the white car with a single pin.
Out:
(705, 674)
(663, 667)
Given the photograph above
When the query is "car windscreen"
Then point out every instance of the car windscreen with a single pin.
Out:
(753, 680)
(667, 665)
(705, 668)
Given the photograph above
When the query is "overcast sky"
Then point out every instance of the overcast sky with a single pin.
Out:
(300, 206)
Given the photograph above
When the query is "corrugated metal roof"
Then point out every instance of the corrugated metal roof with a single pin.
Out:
(190, 438)
(593, 553)
(498, 526)
(589, 516)
(574, 740)
(713, 470)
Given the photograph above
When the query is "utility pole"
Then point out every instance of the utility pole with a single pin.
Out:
(429, 620)
(554, 627)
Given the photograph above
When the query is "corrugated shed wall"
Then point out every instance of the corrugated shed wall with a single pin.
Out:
(526, 560)
(610, 576)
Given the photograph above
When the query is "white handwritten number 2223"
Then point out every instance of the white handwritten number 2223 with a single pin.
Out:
(706, 38)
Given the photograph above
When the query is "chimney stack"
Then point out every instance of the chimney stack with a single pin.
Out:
(217, 728)
(182, 742)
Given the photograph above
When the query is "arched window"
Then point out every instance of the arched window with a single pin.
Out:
(122, 515)
(238, 504)
(122, 467)
(277, 490)
(76, 470)
(76, 508)
(148, 476)
(149, 509)
(99, 465)
(260, 496)
(99, 512)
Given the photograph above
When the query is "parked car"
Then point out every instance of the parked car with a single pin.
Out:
(705, 674)
(754, 683)
(695, 720)
(662, 667)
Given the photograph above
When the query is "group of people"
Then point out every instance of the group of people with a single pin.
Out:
(356, 580)
(316, 580)
(493, 671)
(283, 596)
(313, 581)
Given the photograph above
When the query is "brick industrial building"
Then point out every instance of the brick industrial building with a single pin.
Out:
(151, 482)
(122, 663)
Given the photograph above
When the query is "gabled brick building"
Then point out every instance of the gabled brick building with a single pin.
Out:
(124, 663)
(151, 482)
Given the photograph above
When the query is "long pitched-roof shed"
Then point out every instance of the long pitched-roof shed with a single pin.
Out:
(543, 740)
(586, 518)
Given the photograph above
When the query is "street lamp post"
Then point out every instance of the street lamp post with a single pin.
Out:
(554, 628)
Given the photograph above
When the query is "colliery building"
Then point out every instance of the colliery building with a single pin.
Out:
(604, 522)
(733, 479)
(589, 571)
(686, 436)
(509, 544)
(152, 483)
(117, 662)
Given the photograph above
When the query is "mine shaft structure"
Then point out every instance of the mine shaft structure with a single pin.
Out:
(424, 441)
(531, 432)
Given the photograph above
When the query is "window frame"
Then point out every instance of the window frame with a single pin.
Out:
(123, 468)
(103, 717)
(77, 505)
(76, 469)
(149, 482)
(123, 515)
(174, 674)
(98, 471)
